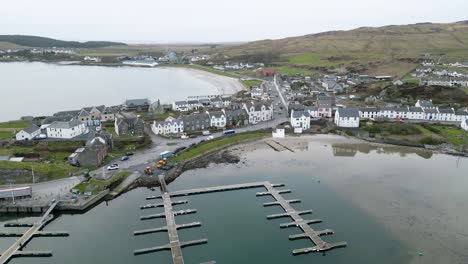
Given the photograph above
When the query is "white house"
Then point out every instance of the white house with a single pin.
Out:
(369, 112)
(66, 130)
(256, 92)
(388, 112)
(279, 133)
(193, 104)
(168, 126)
(461, 115)
(217, 119)
(313, 111)
(259, 111)
(180, 106)
(324, 109)
(446, 114)
(347, 117)
(28, 133)
(430, 113)
(300, 119)
(415, 113)
(464, 124)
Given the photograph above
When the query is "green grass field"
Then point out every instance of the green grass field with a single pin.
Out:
(51, 171)
(15, 124)
(250, 83)
(96, 186)
(6, 135)
(217, 143)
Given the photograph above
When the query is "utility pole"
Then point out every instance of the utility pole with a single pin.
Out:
(33, 177)
(12, 195)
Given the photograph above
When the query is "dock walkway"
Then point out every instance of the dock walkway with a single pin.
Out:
(13, 250)
(175, 245)
(313, 235)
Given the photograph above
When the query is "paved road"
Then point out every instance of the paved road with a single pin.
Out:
(278, 89)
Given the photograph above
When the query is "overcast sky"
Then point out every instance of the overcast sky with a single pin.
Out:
(156, 21)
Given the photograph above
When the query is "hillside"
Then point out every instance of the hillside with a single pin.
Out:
(384, 50)
(41, 42)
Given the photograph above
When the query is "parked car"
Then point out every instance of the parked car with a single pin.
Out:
(184, 136)
(113, 167)
(193, 136)
(210, 138)
(206, 132)
(124, 158)
(129, 154)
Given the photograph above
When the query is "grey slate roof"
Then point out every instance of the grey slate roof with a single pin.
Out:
(416, 109)
(369, 109)
(425, 103)
(446, 111)
(461, 112)
(179, 103)
(32, 128)
(51, 119)
(216, 114)
(348, 112)
(235, 113)
(65, 125)
(430, 111)
(137, 102)
(299, 114)
(67, 113)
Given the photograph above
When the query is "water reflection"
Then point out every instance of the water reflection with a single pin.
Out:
(350, 150)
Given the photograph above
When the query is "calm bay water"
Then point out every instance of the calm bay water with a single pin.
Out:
(40, 88)
(329, 179)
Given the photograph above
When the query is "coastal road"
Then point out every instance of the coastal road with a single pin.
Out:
(278, 89)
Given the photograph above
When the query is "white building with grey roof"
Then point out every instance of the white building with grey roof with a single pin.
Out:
(66, 130)
(168, 126)
(259, 111)
(217, 119)
(347, 117)
(300, 119)
(28, 133)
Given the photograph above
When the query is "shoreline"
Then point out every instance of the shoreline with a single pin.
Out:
(217, 84)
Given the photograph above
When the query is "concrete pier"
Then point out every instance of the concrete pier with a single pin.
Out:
(175, 245)
(164, 229)
(161, 215)
(33, 254)
(14, 250)
(18, 224)
(289, 214)
(309, 233)
(149, 206)
(37, 234)
(277, 203)
(296, 224)
(323, 248)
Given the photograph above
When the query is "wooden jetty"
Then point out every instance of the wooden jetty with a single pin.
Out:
(35, 230)
(309, 233)
(175, 245)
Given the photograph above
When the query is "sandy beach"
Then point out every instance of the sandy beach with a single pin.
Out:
(224, 84)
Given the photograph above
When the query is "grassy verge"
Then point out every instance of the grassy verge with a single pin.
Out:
(454, 135)
(6, 135)
(250, 83)
(217, 143)
(95, 186)
(15, 124)
(50, 171)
